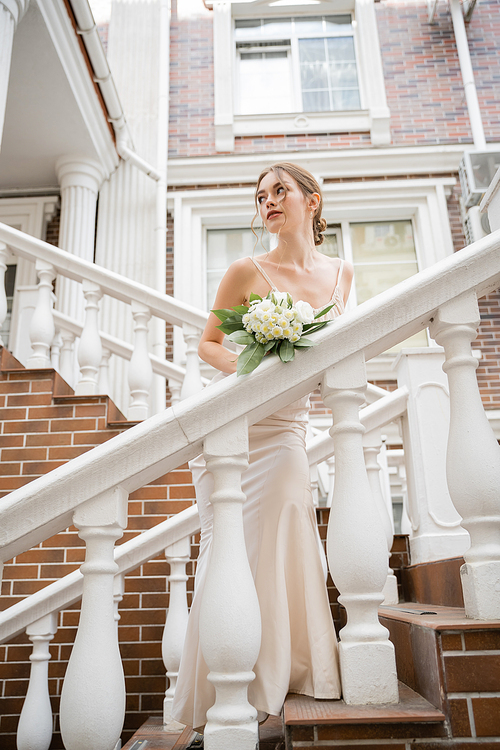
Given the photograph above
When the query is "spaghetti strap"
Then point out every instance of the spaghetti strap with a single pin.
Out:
(264, 274)
(339, 277)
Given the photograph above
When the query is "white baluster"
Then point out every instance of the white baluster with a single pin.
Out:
(42, 328)
(67, 357)
(34, 731)
(473, 458)
(177, 555)
(229, 616)
(313, 473)
(357, 546)
(140, 371)
(4, 254)
(103, 383)
(93, 695)
(89, 349)
(372, 443)
(55, 351)
(174, 387)
(192, 380)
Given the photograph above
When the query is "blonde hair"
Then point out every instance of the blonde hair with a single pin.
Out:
(308, 185)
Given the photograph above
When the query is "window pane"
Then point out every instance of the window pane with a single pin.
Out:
(383, 241)
(255, 94)
(341, 49)
(343, 75)
(372, 279)
(316, 101)
(330, 246)
(277, 26)
(345, 99)
(311, 25)
(225, 246)
(333, 23)
(247, 27)
(314, 76)
(311, 50)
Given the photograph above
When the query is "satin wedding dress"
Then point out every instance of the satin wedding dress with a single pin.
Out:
(299, 648)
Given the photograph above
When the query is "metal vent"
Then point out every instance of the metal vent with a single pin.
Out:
(476, 171)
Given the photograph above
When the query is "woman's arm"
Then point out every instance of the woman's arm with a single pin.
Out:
(233, 290)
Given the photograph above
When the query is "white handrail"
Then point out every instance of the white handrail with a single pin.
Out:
(45, 506)
(113, 284)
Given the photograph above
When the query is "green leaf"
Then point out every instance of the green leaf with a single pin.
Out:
(242, 337)
(270, 345)
(289, 299)
(286, 351)
(230, 326)
(254, 298)
(223, 314)
(303, 343)
(313, 327)
(250, 358)
(324, 311)
(240, 309)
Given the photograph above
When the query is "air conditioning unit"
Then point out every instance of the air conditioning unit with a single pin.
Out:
(474, 223)
(476, 171)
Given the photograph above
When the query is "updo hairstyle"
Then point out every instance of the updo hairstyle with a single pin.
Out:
(308, 185)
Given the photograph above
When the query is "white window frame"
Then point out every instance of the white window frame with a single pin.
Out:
(375, 115)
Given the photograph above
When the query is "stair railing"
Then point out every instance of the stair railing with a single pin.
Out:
(97, 281)
(92, 491)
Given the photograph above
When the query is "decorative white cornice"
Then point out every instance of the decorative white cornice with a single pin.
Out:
(17, 8)
(75, 67)
(338, 163)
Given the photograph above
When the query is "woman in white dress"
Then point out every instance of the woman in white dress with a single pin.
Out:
(299, 648)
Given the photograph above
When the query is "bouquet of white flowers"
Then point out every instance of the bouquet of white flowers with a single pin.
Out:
(274, 324)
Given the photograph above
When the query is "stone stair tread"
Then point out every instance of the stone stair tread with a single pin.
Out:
(435, 616)
(303, 710)
(157, 738)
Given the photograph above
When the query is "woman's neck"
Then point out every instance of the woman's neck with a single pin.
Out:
(296, 250)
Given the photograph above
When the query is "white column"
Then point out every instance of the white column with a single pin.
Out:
(230, 629)
(80, 180)
(89, 348)
(473, 458)
(192, 382)
(67, 356)
(357, 546)
(372, 444)
(93, 695)
(223, 76)
(11, 12)
(140, 371)
(177, 555)
(42, 328)
(436, 531)
(174, 387)
(103, 381)
(34, 731)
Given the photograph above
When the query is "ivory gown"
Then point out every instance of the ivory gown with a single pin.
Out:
(298, 651)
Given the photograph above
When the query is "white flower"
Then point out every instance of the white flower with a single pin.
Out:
(277, 332)
(289, 314)
(305, 313)
(280, 298)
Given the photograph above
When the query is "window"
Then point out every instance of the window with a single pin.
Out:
(303, 64)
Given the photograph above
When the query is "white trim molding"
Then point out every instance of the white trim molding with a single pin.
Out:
(374, 117)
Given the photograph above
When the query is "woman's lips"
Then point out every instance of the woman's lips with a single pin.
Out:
(272, 214)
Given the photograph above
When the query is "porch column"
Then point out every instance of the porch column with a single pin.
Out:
(80, 180)
(11, 12)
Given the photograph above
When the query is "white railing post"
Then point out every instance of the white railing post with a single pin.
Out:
(42, 328)
(436, 531)
(89, 349)
(55, 352)
(4, 254)
(177, 556)
(118, 591)
(140, 371)
(330, 462)
(372, 444)
(357, 546)
(34, 731)
(93, 695)
(175, 387)
(67, 357)
(473, 458)
(230, 629)
(192, 380)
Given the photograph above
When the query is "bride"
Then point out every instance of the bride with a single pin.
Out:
(299, 650)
